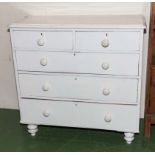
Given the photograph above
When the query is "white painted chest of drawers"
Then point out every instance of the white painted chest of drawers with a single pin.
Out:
(79, 71)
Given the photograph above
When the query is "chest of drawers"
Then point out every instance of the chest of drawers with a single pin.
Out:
(79, 71)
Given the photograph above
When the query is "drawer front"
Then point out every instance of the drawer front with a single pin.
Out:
(86, 115)
(38, 40)
(76, 87)
(107, 41)
(94, 63)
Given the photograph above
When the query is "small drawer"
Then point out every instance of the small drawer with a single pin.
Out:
(94, 63)
(79, 88)
(43, 40)
(107, 41)
(86, 115)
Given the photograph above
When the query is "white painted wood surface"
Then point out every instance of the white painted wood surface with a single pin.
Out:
(118, 41)
(78, 114)
(84, 89)
(93, 63)
(51, 40)
(82, 21)
(129, 137)
(18, 11)
(79, 87)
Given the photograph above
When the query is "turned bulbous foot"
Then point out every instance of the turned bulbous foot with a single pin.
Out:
(32, 129)
(129, 137)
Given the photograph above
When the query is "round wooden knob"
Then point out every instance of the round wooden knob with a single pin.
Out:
(41, 42)
(43, 61)
(108, 118)
(105, 66)
(105, 43)
(46, 113)
(106, 92)
(46, 87)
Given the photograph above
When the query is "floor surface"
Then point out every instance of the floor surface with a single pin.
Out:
(14, 137)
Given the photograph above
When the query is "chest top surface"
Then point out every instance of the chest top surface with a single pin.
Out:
(84, 21)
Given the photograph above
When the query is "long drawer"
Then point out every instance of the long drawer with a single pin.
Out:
(107, 41)
(43, 40)
(86, 115)
(93, 63)
(79, 87)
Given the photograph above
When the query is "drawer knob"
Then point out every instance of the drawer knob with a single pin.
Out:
(105, 43)
(46, 113)
(105, 66)
(43, 61)
(41, 42)
(106, 92)
(107, 118)
(46, 87)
